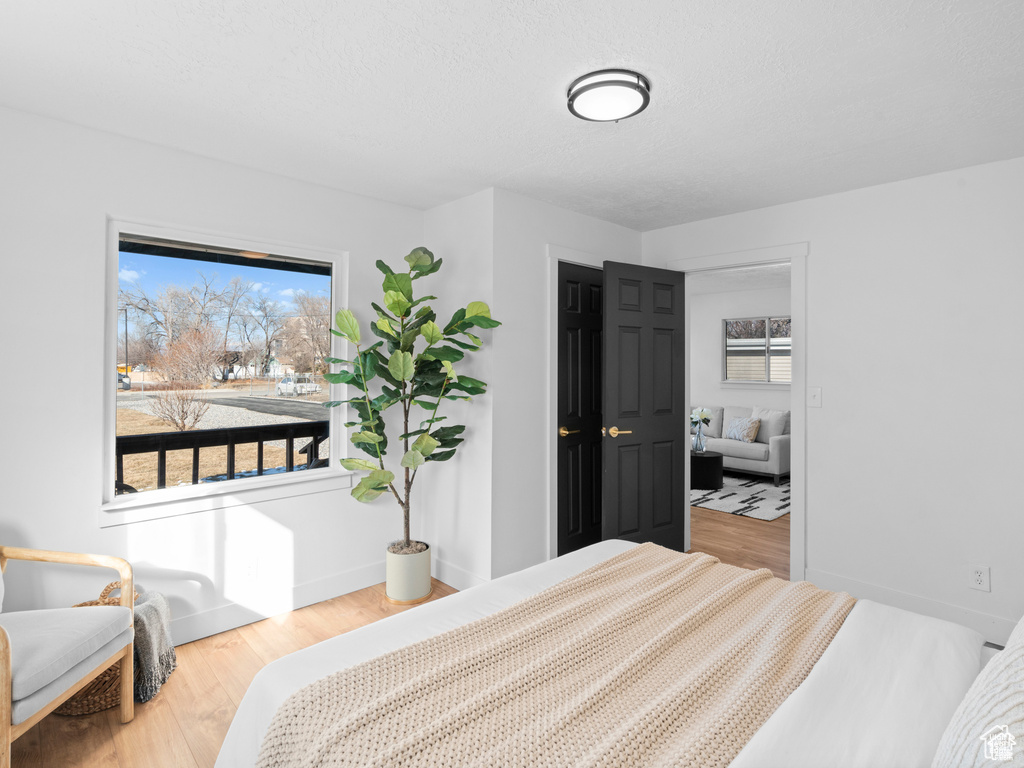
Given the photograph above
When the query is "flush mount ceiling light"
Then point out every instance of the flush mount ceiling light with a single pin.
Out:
(609, 95)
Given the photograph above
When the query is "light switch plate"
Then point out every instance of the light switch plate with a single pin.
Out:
(814, 397)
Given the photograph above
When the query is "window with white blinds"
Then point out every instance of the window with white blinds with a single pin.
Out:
(757, 349)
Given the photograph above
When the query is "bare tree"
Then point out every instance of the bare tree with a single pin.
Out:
(233, 303)
(182, 407)
(261, 326)
(307, 335)
(191, 358)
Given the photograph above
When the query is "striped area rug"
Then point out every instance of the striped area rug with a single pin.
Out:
(747, 496)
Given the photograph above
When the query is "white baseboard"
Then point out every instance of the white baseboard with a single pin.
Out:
(454, 576)
(995, 629)
(225, 617)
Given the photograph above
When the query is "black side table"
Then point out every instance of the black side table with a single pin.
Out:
(706, 471)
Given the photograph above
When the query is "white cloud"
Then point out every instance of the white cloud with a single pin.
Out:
(257, 286)
(287, 293)
(128, 275)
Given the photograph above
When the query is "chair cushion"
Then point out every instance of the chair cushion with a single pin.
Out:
(23, 709)
(714, 429)
(47, 643)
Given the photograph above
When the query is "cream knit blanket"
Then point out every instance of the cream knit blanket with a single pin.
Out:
(651, 658)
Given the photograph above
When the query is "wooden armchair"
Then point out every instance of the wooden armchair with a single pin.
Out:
(46, 656)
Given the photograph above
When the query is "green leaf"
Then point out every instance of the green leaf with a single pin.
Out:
(384, 268)
(373, 485)
(342, 377)
(482, 322)
(385, 325)
(420, 257)
(400, 283)
(447, 433)
(442, 455)
(380, 310)
(451, 354)
(412, 434)
(477, 309)
(333, 403)
(425, 444)
(347, 325)
(423, 271)
(412, 459)
(337, 361)
(451, 370)
(365, 437)
(401, 366)
(458, 317)
(356, 464)
(431, 332)
(396, 302)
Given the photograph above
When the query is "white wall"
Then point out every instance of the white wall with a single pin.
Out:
(913, 298)
(59, 183)
(706, 313)
(523, 468)
(456, 495)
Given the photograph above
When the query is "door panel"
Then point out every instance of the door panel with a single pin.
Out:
(643, 397)
(578, 455)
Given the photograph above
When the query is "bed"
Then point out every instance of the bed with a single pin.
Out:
(881, 693)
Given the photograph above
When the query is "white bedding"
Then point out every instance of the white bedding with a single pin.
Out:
(880, 695)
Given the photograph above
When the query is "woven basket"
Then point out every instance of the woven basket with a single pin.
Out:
(104, 691)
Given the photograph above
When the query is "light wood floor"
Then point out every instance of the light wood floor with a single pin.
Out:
(184, 726)
(742, 541)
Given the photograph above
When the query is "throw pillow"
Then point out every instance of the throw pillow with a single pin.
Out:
(743, 429)
(773, 423)
(991, 714)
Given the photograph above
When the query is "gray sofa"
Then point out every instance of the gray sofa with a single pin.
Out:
(767, 455)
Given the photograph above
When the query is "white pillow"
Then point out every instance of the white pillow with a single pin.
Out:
(991, 715)
(743, 429)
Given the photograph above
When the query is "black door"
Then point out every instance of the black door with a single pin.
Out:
(579, 406)
(645, 449)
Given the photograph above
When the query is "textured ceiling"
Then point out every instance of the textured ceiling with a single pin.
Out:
(753, 103)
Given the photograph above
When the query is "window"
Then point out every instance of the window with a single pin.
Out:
(758, 349)
(220, 357)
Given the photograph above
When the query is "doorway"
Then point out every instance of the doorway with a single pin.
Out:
(740, 366)
(797, 255)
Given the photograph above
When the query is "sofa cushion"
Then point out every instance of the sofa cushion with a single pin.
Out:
(47, 643)
(731, 412)
(737, 449)
(714, 428)
(773, 423)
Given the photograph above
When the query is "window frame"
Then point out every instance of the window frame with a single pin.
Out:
(171, 502)
(767, 382)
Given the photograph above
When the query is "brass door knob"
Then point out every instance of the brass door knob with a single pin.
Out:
(563, 432)
(615, 431)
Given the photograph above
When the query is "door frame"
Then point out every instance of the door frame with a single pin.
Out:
(796, 254)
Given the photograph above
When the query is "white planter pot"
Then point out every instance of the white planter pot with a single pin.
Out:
(408, 577)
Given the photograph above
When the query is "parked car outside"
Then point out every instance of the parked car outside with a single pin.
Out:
(123, 381)
(297, 385)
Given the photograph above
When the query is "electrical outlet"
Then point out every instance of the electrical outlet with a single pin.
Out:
(980, 578)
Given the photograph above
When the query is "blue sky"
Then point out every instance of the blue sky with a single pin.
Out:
(152, 272)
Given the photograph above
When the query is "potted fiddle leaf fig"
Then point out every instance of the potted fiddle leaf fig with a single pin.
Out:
(409, 372)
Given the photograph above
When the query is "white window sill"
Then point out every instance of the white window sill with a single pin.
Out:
(187, 500)
(780, 385)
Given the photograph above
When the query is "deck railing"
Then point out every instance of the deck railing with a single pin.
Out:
(162, 442)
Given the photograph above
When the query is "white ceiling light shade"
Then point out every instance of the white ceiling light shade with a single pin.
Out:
(609, 95)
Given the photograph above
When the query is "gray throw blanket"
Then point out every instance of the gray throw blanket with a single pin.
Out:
(154, 650)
